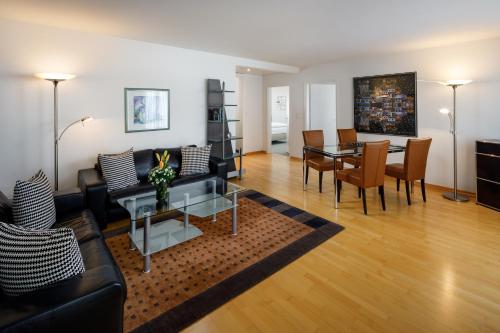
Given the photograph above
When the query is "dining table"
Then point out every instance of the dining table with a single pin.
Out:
(336, 152)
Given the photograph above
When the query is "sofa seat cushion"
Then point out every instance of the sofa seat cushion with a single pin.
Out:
(84, 226)
(141, 187)
(182, 180)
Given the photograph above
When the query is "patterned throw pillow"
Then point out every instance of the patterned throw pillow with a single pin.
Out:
(118, 170)
(32, 259)
(195, 160)
(33, 203)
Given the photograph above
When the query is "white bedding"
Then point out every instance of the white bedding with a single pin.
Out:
(279, 128)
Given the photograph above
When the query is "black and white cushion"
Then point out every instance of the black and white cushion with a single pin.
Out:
(195, 160)
(32, 259)
(118, 170)
(33, 203)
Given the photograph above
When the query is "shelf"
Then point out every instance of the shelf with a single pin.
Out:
(221, 91)
(236, 155)
(221, 122)
(226, 139)
(221, 106)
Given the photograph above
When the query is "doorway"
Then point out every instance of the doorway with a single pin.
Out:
(280, 110)
(322, 110)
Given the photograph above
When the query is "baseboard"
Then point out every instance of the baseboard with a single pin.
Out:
(445, 189)
(257, 152)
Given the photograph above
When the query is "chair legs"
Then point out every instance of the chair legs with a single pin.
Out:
(363, 193)
(320, 181)
(339, 186)
(422, 185)
(408, 197)
(397, 183)
(382, 195)
(359, 192)
(307, 174)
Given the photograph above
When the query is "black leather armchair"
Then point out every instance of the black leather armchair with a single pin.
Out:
(103, 204)
(92, 302)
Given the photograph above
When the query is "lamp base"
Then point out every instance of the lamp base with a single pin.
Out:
(458, 198)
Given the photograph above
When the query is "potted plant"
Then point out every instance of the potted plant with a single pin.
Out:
(161, 176)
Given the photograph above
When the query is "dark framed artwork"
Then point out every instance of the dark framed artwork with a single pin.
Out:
(386, 104)
(147, 109)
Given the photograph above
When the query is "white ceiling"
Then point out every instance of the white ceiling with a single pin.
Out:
(293, 32)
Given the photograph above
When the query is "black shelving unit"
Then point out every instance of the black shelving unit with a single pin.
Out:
(225, 145)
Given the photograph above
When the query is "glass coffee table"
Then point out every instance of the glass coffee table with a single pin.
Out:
(202, 198)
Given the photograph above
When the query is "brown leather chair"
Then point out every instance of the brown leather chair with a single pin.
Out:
(316, 161)
(414, 165)
(347, 136)
(370, 173)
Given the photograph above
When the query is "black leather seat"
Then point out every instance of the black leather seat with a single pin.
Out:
(92, 302)
(103, 203)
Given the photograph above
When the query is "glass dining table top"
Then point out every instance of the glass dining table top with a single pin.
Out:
(349, 149)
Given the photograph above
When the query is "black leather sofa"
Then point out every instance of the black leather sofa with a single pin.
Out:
(92, 302)
(104, 204)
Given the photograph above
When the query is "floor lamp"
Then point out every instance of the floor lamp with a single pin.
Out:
(55, 78)
(454, 84)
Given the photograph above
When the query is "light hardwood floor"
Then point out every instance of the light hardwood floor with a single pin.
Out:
(431, 267)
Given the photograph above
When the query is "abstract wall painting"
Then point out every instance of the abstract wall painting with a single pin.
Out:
(147, 109)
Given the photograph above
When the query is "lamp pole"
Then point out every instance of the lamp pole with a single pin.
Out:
(455, 196)
(56, 137)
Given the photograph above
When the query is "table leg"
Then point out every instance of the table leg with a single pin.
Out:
(214, 203)
(186, 208)
(133, 221)
(235, 214)
(335, 203)
(147, 255)
(303, 169)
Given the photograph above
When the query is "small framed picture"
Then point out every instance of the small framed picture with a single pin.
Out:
(147, 109)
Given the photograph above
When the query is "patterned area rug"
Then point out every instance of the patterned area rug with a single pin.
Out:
(191, 279)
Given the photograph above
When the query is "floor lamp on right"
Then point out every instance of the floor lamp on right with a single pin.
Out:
(454, 84)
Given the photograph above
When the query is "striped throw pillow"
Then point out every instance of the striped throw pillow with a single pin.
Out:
(195, 160)
(33, 203)
(33, 259)
(118, 170)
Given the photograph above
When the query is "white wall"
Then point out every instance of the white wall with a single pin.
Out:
(251, 105)
(279, 114)
(478, 110)
(104, 67)
(323, 110)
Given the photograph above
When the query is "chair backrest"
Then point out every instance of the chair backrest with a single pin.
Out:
(373, 163)
(416, 154)
(314, 138)
(347, 135)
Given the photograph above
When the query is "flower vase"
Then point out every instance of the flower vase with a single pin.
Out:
(162, 195)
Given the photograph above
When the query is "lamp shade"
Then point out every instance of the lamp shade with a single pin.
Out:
(455, 82)
(55, 76)
(444, 111)
(86, 119)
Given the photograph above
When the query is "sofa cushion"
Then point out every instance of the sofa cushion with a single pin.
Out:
(195, 160)
(5, 209)
(144, 162)
(141, 187)
(95, 253)
(32, 259)
(118, 170)
(84, 226)
(182, 180)
(33, 203)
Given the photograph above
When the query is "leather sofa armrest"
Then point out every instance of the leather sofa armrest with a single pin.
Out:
(95, 190)
(65, 307)
(218, 167)
(68, 202)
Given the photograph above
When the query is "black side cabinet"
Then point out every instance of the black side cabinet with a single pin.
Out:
(488, 173)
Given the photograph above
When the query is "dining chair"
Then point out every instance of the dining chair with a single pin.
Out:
(315, 138)
(414, 166)
(348, 136)
(370, 173)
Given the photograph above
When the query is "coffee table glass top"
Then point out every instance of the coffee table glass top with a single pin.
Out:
(201, 198)
(194, 196)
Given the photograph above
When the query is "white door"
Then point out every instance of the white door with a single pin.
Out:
(323, 110)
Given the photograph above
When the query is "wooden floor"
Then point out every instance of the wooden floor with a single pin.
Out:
(431, 267)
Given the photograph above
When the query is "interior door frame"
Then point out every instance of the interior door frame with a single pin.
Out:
(270, 117)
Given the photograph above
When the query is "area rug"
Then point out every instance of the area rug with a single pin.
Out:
(192, 279)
